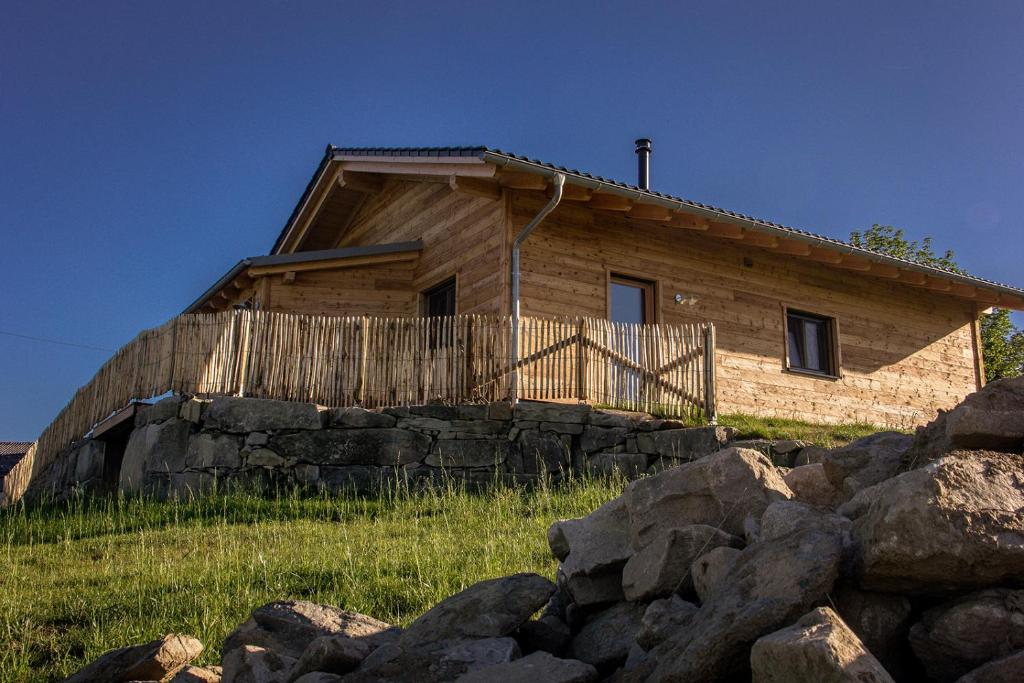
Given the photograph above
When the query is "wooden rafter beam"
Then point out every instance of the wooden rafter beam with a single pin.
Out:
(729, 231)
(522, 181)
(650, 212)
(937, 284)
(759, 239)
(792, 247)
(610, 202)
(912, 277)
(966, 291)
(823, 255)
(576, 193)
(314, 211)
(367, 183)
(885, 270)
(689, 221)
(986, 296)
(1011, 301)
(851, 262)
(475, 186)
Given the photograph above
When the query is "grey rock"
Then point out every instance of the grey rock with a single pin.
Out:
(358, 418)
(989, 419)
(499, 410)
(539, 667)
(551, 412)
(256, 439)
(770, 586)
(318, 677)
(880, 620)
(162, 410)
(685, 444)
(662, 618)
(593, 551)
(538, 452)
(784, 517)
(627, 465)
(468, 453)
(89, 461)
(613, 418)
(721, 490)
(193, 409)
(601, 438)
(708, 570)
(1004, 670)
(337, 654)
(252, 664)
(154, 448)
(810, 456)
(263, 457)
(197, 674)
(548, 633)
(372, 446)
(866, 461)
(481, 653)
(954, 524)
(570, 428)
(606, 639)
(663, 566)
(488, 609)
(288, 627)
(244, 415)
(952, 639)
(155, 660)
(810, 485)
(213, 451)
(819, 647)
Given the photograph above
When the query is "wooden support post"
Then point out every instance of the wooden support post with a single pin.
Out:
(710, 409)
(581, 363)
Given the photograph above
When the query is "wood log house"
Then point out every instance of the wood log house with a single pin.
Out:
(808, 327)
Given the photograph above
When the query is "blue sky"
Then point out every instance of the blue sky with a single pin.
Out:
(145, 147)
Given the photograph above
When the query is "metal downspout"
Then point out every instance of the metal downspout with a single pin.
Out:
(558, 182)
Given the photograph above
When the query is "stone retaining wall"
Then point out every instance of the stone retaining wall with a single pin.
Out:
(181, 446)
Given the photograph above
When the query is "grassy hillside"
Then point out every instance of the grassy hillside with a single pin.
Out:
(85, 577)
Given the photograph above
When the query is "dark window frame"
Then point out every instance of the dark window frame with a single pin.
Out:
(649, 288)
(450, 288)
(827, 338)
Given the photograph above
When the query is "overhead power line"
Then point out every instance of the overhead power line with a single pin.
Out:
(55, 341)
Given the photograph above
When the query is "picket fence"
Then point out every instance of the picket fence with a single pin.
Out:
(667, 369)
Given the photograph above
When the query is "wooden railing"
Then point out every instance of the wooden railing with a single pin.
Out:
(374, 362)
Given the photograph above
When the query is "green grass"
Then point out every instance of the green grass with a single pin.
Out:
(826, 435)
(80, 578)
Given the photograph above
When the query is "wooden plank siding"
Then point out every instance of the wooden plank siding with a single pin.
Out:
(905, 352)
(461, 234)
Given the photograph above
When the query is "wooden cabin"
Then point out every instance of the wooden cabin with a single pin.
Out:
(808, 327)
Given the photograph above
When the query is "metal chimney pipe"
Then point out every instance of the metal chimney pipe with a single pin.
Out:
(643, 163)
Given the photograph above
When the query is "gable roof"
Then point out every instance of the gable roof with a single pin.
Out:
(509, 161)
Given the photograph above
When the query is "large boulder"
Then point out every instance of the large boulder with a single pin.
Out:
(819, 647)
(487, 609)
(952, 639)
(662, 618)
(252, 664)
(810, 485)
(683, 445)
(708, 570)
(770, 586)
(721, 490)
(880, 620)
(289, 627)
(336, 654)
(153, 661)
(663, 567)
(606, 639)
(539, 667)
(593, 551)
(373, 446)
(155, 449)
(438, 662)
(244, 415)
(955, 524)
(198, 674)
(989, 419)
(1004, 670)
(865, 462)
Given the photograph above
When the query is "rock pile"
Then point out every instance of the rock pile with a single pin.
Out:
(854, 565)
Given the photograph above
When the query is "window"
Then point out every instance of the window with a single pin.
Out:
(439, 300)
(811, 343)
(630, 300)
